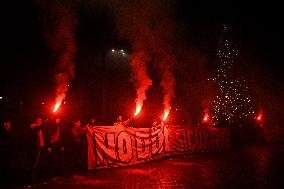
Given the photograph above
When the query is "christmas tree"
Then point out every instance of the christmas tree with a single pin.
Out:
(232, 104)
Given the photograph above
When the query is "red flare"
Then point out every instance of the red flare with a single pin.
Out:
(166, 114)
(57, 105)
(138, 109)
(205, 118)
(259, 117)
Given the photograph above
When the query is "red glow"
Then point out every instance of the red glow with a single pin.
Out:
(205, 118)
(138, 109)
(142, 80)
(259, 117)
(57, 105)
(166, 114)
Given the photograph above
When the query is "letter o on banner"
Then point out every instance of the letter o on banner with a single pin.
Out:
(124, 147)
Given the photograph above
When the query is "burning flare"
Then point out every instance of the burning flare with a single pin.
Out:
(58, 102)
(206, 118)
(166, 114)
(259, 117)
(138, 109)
(57, 105)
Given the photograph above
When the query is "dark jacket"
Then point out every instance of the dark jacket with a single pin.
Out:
(33, 136)
(54, 135)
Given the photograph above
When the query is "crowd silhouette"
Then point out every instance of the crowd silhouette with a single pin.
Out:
(42, 148)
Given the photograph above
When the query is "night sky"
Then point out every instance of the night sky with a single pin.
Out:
(27, 64)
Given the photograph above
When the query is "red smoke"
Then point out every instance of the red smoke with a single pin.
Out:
(167, 84)
(148, 26)
(59, 25)
(141, 79)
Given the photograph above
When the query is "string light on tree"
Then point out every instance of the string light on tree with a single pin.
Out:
(233, 102)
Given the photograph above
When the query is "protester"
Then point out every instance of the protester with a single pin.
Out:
(119, 121)
(91, 122)
(36, 146)
(54, 143)
(54, 136)
(155, 125)
(79, 147)
(6, 149)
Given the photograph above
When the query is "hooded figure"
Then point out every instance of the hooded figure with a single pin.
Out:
(54, 135)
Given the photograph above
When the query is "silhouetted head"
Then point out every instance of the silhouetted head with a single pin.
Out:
(119, 118)
(57, 120)
(92, 121)
(38, 121)
(7, 124)
(77, 123)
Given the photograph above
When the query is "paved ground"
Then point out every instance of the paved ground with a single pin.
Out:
(252, 167)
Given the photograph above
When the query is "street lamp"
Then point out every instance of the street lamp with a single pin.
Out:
(118, 52)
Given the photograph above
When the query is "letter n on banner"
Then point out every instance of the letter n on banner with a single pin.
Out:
(105, 149)
(124, 147)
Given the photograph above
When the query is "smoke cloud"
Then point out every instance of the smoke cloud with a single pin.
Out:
(59, 24)
(142, 81)
(148, 26)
